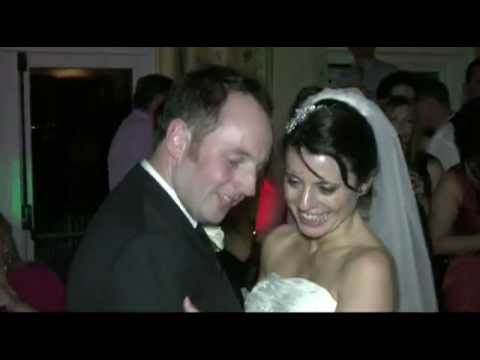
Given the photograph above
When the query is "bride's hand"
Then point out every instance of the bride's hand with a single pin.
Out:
(188, 306)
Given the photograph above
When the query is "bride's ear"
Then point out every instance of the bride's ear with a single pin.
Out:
(367, 185)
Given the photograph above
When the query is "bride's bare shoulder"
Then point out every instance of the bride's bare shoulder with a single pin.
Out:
(281, 237)
(277, 248)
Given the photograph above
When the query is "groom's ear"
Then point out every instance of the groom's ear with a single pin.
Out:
(177, 138)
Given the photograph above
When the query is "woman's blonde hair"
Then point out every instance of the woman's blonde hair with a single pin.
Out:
(8, 251)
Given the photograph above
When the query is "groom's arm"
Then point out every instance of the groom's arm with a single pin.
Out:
(143, 280)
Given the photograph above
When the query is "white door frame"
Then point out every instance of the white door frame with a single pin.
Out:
(140, 60)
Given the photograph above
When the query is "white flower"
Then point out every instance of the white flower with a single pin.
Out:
(216, 235)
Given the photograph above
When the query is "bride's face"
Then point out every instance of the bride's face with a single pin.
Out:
(319, 202)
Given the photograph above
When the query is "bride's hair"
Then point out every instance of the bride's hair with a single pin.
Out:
(336, 129)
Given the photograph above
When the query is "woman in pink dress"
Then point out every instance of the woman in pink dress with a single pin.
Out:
(455, 215)
(26, 287)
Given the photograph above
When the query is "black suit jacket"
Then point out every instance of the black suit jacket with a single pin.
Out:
(141, 253)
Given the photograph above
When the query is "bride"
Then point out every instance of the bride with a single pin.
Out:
(340, 147)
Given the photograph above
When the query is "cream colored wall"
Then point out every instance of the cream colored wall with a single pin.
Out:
(449, 62)
(294, 68)
(290, 69)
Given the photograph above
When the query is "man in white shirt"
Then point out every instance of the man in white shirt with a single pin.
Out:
(367, 71)
(433, 109)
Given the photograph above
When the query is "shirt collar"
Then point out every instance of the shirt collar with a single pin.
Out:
(170, 191)
(215, 233)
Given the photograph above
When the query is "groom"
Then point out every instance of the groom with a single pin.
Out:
(145, 249)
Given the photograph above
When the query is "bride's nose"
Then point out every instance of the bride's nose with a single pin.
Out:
(305, 200)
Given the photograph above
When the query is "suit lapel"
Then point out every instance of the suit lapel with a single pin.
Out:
(158, 204)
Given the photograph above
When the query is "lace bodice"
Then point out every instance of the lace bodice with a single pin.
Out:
(277, 294)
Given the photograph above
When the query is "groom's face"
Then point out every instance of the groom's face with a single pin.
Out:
(222, 170)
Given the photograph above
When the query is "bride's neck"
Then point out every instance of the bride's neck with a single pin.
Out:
(341, 236)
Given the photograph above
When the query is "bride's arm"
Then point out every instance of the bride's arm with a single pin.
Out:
(368, 284)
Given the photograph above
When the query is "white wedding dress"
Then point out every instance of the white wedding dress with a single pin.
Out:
(277, 294)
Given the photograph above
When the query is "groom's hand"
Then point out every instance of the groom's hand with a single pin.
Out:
(188, 306)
